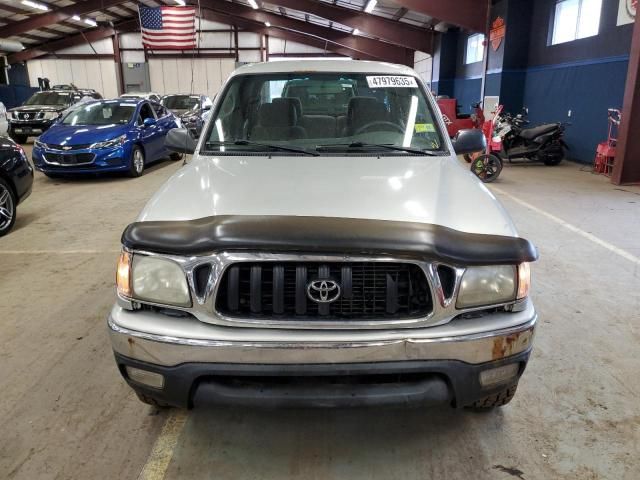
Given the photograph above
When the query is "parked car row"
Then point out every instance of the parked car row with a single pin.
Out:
(78, 132)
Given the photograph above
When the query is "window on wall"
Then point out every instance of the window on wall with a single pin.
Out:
(475, 49)
(575, 19)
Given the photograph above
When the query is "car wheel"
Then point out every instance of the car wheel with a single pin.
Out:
(490, 402)
(487, 167)
(176, 156)
(19, 138)
(7, 208)
(137, 162)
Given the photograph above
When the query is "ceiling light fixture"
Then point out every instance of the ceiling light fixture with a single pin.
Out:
(267, 24)
(88, 21)
(371, 4)
(355, 32)
(181, 2)
(76, 18)
(253, 4)
(31, 4)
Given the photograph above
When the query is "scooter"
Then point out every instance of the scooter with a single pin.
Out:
(543, 143)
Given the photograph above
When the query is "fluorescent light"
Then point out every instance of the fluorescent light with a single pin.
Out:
(355, 32)
(180, 2)
(267, 24)
(253, 4)
(370, 6)
(31, 4)
(76, 18)
(88, 21)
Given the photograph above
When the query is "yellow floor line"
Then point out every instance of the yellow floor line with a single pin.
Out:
(612, 248)
(156, 466)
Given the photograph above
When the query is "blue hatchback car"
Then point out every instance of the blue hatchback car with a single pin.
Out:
(105, 136)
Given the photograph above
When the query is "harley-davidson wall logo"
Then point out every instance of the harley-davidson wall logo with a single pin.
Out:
(497, 32)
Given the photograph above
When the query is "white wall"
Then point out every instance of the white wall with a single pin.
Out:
(97, 74)
(277, 45)
(422, 63)
(187, 75)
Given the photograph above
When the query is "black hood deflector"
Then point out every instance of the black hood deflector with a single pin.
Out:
(326, 235)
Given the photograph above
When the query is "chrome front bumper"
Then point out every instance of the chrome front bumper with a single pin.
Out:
(168, 341)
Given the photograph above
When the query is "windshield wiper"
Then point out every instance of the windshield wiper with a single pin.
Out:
(264, 145)
(387, 146)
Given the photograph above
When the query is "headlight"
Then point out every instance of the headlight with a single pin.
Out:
(39, 144)
(115, 142)
(50, 115)
(152, 279)
(488, 285)
(13, 115)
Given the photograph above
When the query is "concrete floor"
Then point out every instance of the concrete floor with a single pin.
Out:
(65, 412)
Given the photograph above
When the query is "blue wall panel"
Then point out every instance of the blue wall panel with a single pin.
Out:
(467, 91)
(588, 89)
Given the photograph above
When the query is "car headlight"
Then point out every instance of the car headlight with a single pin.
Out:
(39, 144)
(13, 115)
(152, 279)
(490, 285)
(50, 115)
(114, 142)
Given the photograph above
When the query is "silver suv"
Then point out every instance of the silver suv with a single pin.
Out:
(323, 259)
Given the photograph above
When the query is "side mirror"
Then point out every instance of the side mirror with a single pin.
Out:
(149, 122)
(206, 107)
(469, 141)
(179, 140)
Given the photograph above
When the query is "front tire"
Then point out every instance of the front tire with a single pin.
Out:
(487, 167)
(8, 204)
(176, 156)
(136, 166)
(490, 402)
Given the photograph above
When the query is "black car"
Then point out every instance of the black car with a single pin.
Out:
(42, 109)
(16, 181)
(190, 108)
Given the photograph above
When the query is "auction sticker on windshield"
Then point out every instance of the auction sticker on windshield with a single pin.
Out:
(393, 81)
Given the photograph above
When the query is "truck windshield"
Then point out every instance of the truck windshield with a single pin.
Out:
(325, 112)
(49, 98)
(99, 113)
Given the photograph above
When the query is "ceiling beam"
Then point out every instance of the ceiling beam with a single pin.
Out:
(469, 14)
(89, 35)
(57, 15)
(395, 32)
(374, 48)
(401, 12)
(282, 34)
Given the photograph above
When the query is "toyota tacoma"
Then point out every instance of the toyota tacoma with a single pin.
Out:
(326, 259)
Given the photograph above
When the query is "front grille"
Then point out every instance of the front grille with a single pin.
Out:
(69, 158)
(368, 290)
(68, 147)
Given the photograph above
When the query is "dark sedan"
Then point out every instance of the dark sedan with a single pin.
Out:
(16, 181)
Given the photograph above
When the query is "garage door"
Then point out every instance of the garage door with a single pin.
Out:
(185, 75)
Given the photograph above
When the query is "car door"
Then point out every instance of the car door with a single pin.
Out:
(166, 121)
(152, 138)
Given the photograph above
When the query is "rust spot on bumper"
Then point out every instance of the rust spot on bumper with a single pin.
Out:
(508, 345)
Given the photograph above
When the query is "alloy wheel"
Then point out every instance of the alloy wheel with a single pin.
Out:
(138, 161)
(7, 208)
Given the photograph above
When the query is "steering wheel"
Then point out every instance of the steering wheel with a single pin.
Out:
(385, 123)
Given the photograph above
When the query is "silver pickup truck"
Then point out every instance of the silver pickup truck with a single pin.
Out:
(323, 248)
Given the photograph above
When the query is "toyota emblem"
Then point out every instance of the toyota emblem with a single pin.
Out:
(323, 291)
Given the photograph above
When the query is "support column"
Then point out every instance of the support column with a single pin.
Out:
(118, 62)
(626, 168)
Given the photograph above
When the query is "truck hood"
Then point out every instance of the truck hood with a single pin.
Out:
(435, 190)
(60, 134)
(39, 108)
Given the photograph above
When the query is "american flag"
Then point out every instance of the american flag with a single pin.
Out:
(168, 28)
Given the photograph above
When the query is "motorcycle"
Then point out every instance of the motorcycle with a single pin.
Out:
(543, 143)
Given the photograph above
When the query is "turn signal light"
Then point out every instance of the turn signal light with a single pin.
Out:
(524, 280)
(123, 275)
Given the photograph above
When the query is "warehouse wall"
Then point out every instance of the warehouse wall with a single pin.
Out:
(84, 73)
(584, 76)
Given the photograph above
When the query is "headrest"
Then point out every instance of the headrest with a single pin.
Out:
(297, 104)
(363, 110)
(277, 114)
